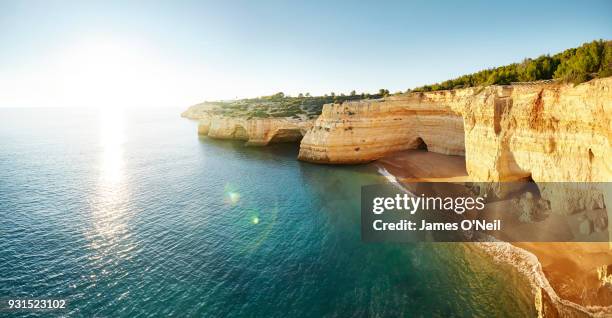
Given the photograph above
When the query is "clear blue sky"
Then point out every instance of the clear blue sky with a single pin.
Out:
(176, 52)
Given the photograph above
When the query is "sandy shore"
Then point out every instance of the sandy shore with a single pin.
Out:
(420, 165)
(569, 270)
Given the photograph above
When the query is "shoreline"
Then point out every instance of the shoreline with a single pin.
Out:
(529, 265)
(538, 262)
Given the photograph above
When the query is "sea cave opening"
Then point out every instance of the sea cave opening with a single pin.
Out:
(420, 144)
(240, 133)
(287, 135)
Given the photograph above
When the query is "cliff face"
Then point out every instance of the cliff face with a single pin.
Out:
(356, 132)
(546, 131)
(255, 131)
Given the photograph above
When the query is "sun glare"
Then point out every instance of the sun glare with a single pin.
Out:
(112, 73)
(110, 210)
(112, 137)
(104, 74)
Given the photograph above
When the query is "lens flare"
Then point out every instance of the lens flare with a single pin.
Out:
(231, 196)
(265, 221)
(255, 220)
(234, 197)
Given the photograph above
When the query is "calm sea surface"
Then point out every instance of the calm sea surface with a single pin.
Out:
(128, 213)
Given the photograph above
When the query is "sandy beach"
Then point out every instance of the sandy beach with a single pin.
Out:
(571, 269)
(421, 165)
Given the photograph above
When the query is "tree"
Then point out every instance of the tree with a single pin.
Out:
(606, 62)
(353, 93)
(300, 95)
(585, 62)
(383, 92)
(575, 65)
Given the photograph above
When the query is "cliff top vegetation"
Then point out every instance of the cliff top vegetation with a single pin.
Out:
(590, 60)
(304, 106)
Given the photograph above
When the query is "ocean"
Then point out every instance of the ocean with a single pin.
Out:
(128, 213)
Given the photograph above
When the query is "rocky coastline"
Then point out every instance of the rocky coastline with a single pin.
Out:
(540, 131)
(254, 131)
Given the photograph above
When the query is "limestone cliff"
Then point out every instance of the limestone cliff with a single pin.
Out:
(546, 131)
(356, 132)
(255, 131)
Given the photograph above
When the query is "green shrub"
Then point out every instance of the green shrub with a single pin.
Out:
(574, 65)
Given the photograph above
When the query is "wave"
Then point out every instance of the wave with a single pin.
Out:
(544, 294)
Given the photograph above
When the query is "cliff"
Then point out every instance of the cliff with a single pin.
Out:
(357, 132)
(546, 131)
(255, 131)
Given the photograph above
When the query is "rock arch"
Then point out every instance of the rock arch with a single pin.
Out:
(286, 135)
(240, 133)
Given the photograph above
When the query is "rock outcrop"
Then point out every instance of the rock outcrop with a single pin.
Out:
(546, 131)
(357, 132)
(255, 131)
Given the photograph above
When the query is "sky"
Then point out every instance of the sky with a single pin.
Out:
(177, 53)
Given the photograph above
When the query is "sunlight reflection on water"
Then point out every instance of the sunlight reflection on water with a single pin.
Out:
(110, 205)
(112, 137)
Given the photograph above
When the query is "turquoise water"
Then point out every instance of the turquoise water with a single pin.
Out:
(130, 214)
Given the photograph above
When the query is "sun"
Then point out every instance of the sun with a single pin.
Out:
(109, 73)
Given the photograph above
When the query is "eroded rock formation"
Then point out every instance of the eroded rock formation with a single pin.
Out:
(356, 132)
(546, 131)
(255, 131)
